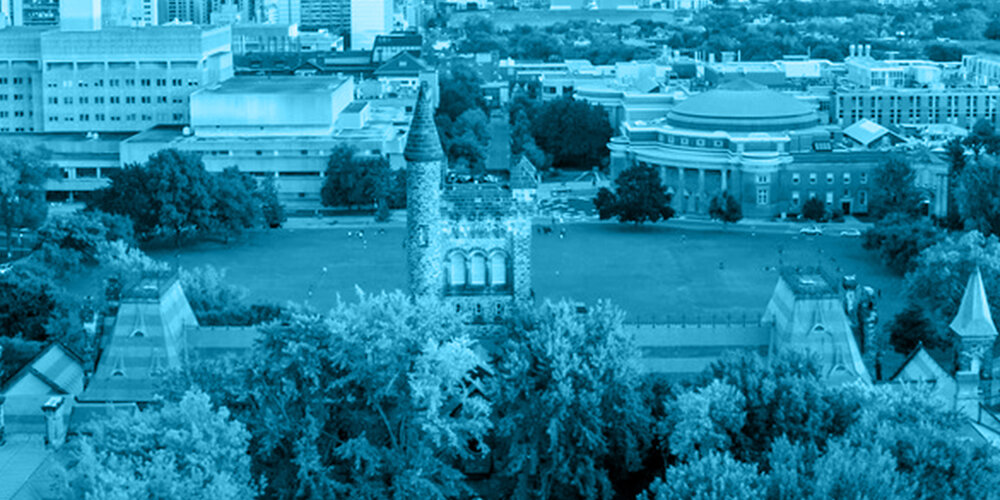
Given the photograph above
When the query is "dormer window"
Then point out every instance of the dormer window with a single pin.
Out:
(137, 333)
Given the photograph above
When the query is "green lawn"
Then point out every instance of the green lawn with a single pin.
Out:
(653, 272)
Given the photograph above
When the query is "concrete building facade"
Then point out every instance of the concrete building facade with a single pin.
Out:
(107, 80)
(958, 106)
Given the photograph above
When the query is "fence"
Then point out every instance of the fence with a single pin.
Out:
(683, 320)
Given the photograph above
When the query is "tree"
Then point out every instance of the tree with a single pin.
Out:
(911, 328)
(944, 52)
(235, 206)
(461, 90)
(704, 420)
(65, 243)
(993, 30)
(714, 476)
(186, 449)
(982, 139)
(354, 179)
(977, 196)
(574, 133)
(938, 281)
(23, 172)
(571, 419)
(27, 300)
(374, 400)
(899, 239)
(827, 51)
(725, 208)
(814, 209)
(639, 196)
(170, 194)
(271, 208)
(215, 302)
(895, 190)
(123, 266)
(847, 470)
(956, 163)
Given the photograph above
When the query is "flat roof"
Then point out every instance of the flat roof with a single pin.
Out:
(161, 133)
(276, 85)
(356, 106)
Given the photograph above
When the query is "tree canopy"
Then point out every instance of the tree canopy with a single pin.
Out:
(23, 172)
(639, 196)
(895, 190)
(354, 179)
(186, 449)
(724, 207)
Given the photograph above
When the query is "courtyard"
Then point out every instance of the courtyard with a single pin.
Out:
(655, 272)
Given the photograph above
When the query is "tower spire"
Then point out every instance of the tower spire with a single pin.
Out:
(974, 318)
(423, 143)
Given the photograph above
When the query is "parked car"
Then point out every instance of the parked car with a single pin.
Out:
(850, 233)
(811, 231)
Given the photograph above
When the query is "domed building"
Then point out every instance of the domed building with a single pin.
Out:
(766, 148)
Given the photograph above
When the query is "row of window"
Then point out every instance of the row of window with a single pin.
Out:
(830, 177)
(115, 100)
(862, 197)
(13, 97)
(126, 82)
(16, 114)
(477, 269)
(100, 117)
(17, 80)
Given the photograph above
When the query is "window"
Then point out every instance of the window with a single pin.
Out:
(99, 117)
(829, 177)
(178, 117)
(99, 83)
(829, 197)
(145, 82)
(700, 143)
(84, 118)
(87, 172)
(862, 197)
(178, 100)
(114, 82)
(67, 100)
(717, 143)
(863, 177)
(130, 100)
(477, 274)
(147, 118)
(115, 100)
(795, 198)
(161, 82)
(18, 114)
(456, 269)
(53, 100)
(498, 270)
(98, 100)
(130, 82)
(812, 178)
(130, 116)
(762, 196)
(847, 177)
(812, 195)
(176, 82)
(763, 179)
(795, 178)
(145, 99)
(18, 97)
(685, 141)
(84, 100)
(161, 99)
(53, 118)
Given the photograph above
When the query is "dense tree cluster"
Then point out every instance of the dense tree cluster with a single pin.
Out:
(354, 179)
(173, 195)
(462, 118)
(562, 132)
(23, 172)
(217, 303)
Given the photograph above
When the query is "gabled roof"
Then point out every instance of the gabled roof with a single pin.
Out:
(922, 362)
(57, 367)
(866, 132)
(524, 175)
(402, 64)
(974, 318)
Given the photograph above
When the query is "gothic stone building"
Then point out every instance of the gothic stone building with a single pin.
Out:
(468, 239)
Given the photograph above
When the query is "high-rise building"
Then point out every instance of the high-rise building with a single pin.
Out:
(131, 13)
(333, 15)
(369, 18)
(108, 80)
(34, 12)
(188, 11)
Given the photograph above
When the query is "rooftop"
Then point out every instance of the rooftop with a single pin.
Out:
(741, 105)
(809, 281)
(277, 85)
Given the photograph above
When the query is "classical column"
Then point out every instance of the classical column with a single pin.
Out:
(724, 172)
(701, 190)
(682, 206)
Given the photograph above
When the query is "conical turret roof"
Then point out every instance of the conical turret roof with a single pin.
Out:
(423, 143)
(974, 318)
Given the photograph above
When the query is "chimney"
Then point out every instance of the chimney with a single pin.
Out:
(711, 58)
(868, 50)
(853, 50)
(55, 421)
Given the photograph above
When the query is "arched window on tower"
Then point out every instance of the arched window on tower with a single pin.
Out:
(498, 269)
(456, 269)
(477, 271)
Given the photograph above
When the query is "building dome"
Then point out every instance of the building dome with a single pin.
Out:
(742, 106)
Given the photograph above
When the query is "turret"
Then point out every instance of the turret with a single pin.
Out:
(976, 334)
(424, 163)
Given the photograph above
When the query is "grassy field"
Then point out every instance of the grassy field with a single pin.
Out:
(653, 272)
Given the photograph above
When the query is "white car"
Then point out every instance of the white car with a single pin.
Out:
(811, 231)
(850, 233)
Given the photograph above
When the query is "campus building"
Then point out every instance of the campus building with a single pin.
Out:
(282, 127)
(766, 148)
(107, 80)
(468, 240)
(896, 107)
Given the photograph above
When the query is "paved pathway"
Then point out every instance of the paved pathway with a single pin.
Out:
(20, 456)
